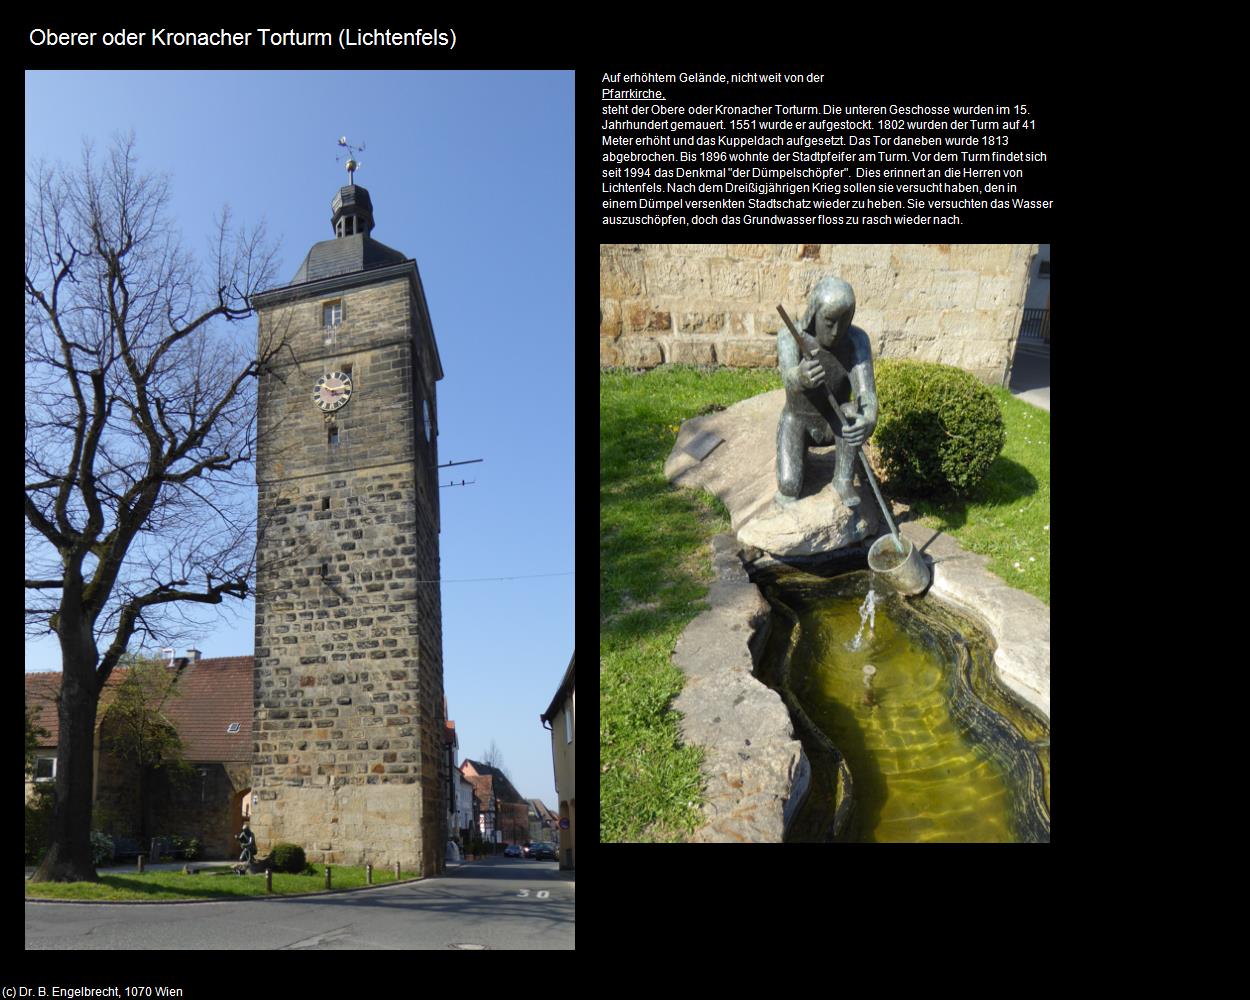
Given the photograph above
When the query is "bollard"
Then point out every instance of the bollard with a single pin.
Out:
(327, 876)
(140, 864)
(368, 874)
(396, 871)
(268, 880)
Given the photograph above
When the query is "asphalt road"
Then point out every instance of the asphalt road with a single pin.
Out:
(500, 903)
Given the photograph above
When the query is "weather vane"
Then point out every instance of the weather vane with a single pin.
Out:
(352, 165)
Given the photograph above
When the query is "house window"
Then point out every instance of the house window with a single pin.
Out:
(332, 313)
(1043, 269)
(568, 724)
(45, 768)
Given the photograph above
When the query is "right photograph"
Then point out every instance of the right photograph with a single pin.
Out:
(825, 543)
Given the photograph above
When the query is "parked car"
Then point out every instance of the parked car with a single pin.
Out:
(541, 851)
(512, 851)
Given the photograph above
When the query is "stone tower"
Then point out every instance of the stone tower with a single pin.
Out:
(349, 673)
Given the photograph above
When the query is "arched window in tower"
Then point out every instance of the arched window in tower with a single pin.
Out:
(429, 424)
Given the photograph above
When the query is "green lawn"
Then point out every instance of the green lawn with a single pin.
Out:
(157, 886)
(1008, 516)
(654, 570)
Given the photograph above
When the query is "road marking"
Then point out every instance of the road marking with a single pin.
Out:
(320, 939)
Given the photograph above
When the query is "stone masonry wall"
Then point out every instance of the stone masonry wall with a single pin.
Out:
(348, 686)
(716, 303)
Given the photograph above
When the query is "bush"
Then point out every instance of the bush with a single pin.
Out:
(288, 858)
(101, 848)
(940, 429)
(187, 847)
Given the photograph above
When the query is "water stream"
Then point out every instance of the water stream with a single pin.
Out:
(867, 615)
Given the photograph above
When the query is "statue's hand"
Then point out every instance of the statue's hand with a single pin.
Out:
(811, 373)
(858, 432)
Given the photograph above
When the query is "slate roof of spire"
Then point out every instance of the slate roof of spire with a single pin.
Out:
(345, 255)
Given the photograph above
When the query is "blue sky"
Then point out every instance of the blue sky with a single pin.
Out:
(471, 174)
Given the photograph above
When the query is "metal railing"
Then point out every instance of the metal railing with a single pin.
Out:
(1036, 326)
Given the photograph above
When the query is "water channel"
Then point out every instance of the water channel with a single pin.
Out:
(911, 737)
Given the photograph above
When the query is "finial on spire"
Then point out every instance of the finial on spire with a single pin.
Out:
(352, 165)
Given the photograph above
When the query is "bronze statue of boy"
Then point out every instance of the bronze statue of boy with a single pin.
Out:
(247, 857)
(843, 363)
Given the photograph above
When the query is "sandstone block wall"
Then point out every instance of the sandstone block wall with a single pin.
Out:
(348, 686)
(715, 303)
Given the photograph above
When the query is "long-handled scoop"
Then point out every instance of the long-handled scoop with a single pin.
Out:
(885, 509)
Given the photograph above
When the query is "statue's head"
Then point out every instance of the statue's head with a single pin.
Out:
(829, 310)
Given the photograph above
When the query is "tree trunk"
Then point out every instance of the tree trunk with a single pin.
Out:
(69, 859)
(145, 817)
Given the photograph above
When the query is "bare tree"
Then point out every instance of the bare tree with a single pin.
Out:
(139, 438)
(493, 756)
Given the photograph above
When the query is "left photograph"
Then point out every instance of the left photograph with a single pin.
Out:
(274, 326)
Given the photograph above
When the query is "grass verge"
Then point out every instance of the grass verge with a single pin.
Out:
(158, 886)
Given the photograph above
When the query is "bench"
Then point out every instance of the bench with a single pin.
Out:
(125, 847)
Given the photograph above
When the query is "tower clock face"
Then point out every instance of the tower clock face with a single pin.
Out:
(333, 391)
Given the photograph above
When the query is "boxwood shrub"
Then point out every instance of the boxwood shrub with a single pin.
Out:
(288, 858)
(939, 430)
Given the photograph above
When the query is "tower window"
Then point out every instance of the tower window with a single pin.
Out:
(325, 503)
(333, 437)
(332, 313)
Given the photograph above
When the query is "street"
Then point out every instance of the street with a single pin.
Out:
(499, 903)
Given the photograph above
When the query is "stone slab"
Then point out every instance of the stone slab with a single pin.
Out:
(742, 473)
(754, 769)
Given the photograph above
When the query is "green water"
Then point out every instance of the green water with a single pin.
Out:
(913, 737)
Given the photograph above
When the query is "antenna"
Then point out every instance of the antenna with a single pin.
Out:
(468, 462)
(443, 486)
(352, 165)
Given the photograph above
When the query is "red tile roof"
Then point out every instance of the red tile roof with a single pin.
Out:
(213, 694)
(483, 777)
